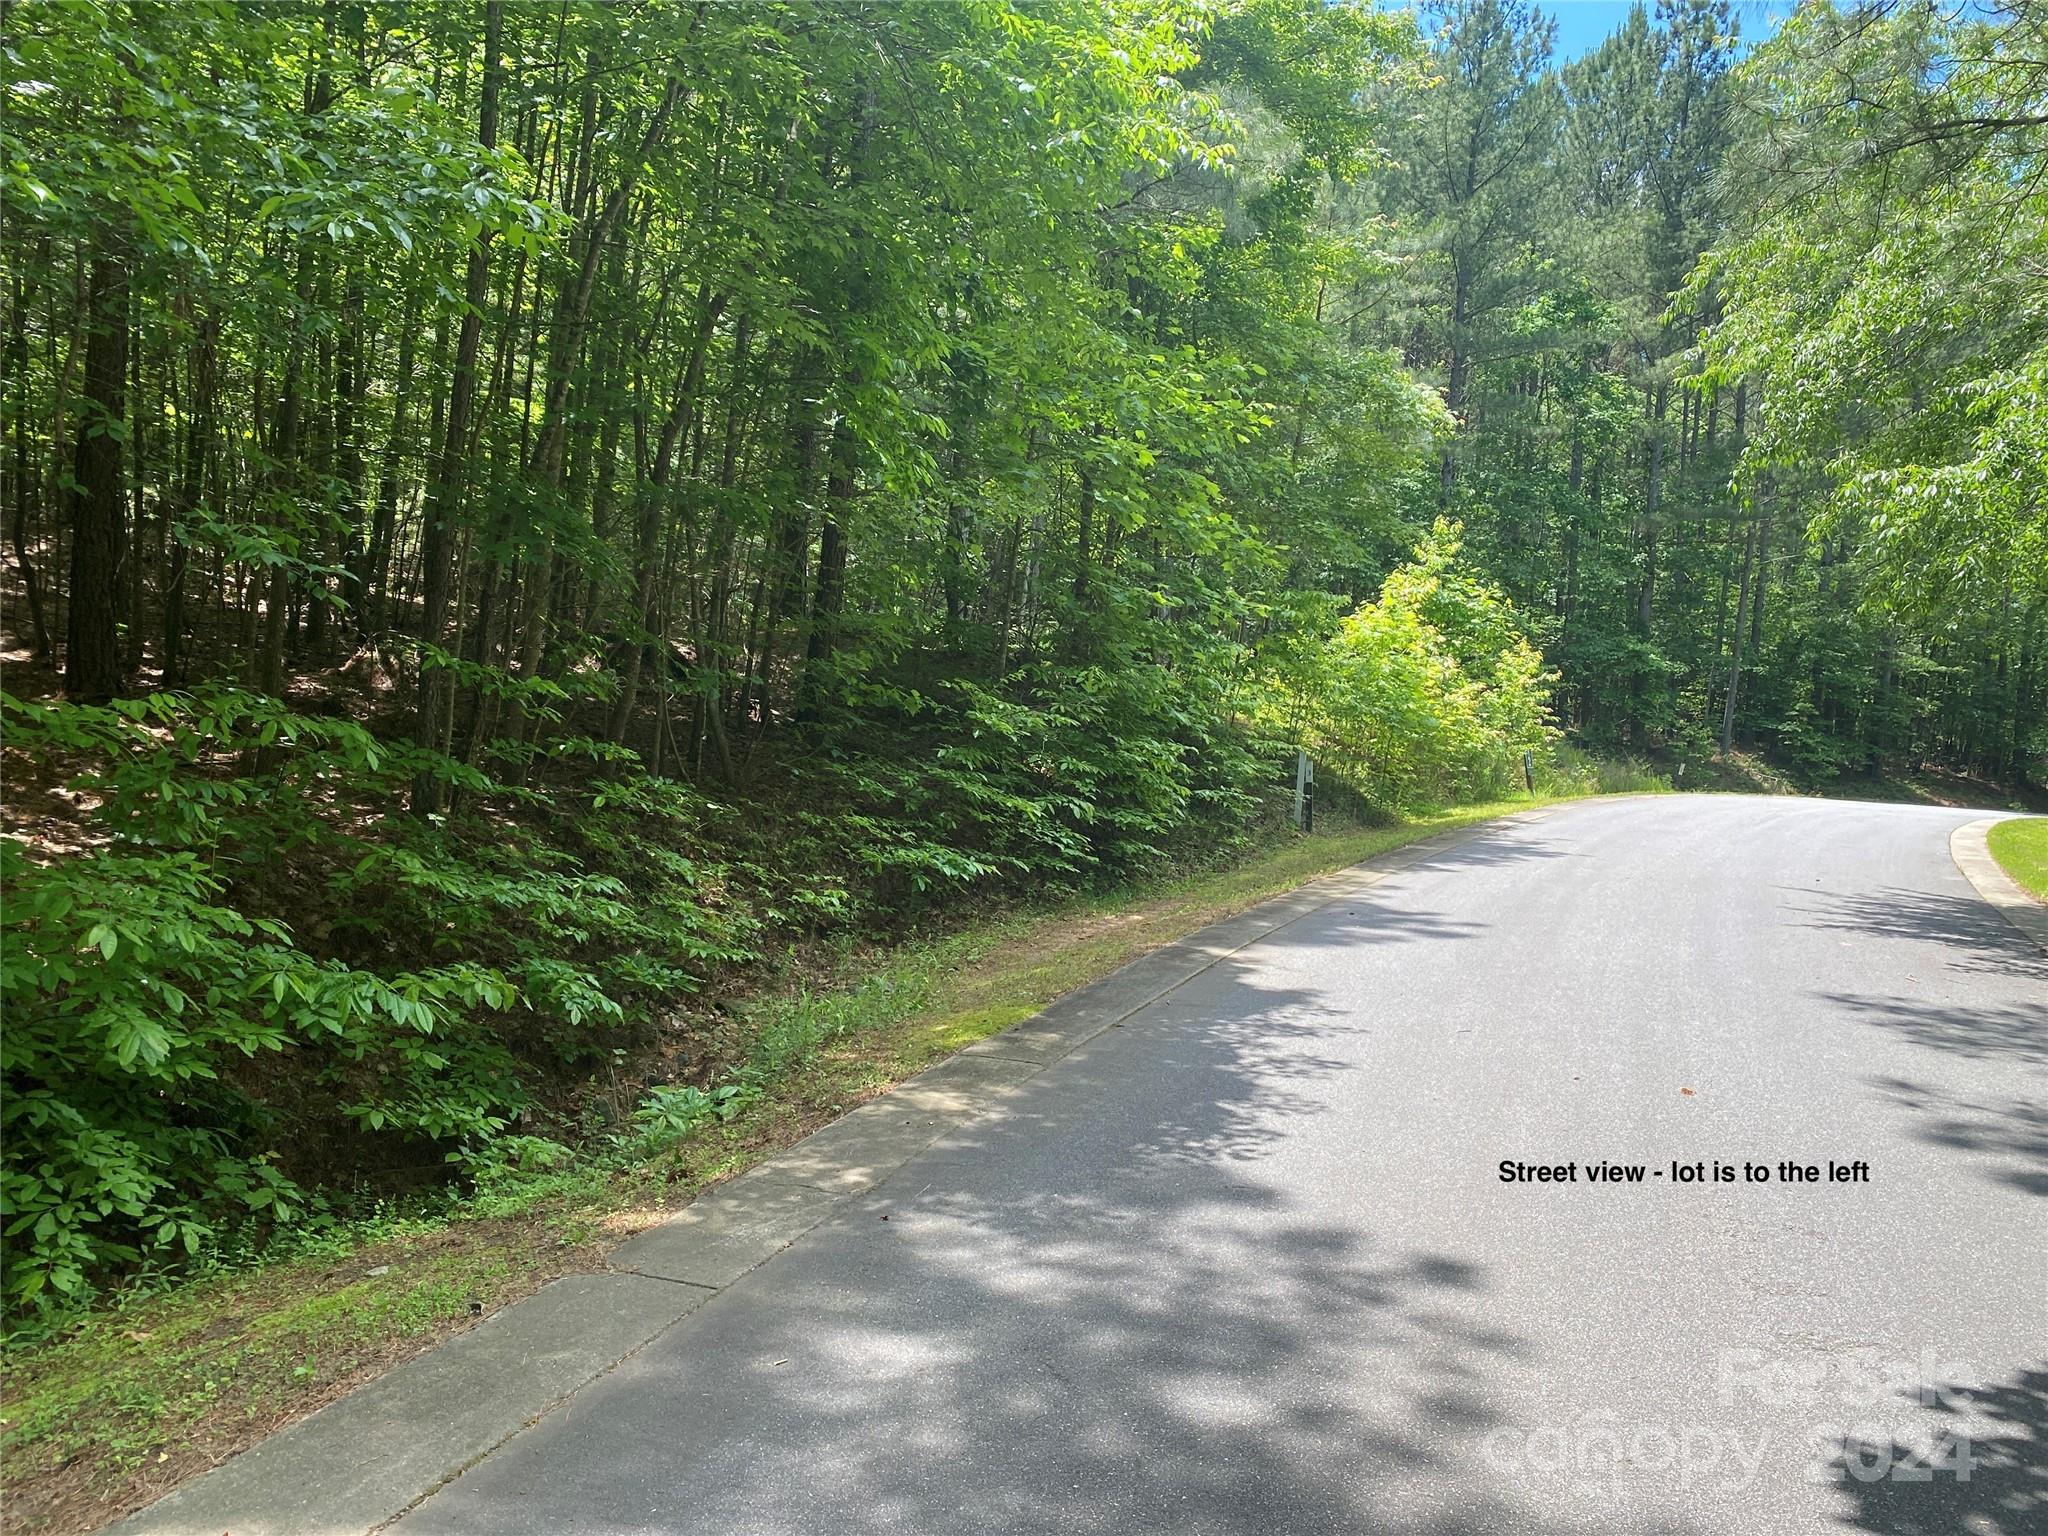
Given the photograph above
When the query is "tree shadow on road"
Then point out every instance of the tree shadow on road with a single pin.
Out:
(1366, 920)
(1098, 1310)
(2006, 1020)
(2002, 1431)
(2010, 1136)
(1971, 934)
(1379, 915)
(1987, 1031)
(1492, 850)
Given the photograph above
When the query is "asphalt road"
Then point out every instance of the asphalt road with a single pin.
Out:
(1247, 1264)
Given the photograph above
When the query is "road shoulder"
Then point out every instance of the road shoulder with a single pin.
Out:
(1967, 845)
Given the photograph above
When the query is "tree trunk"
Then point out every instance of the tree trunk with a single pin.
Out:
(345, 450)
(92, 632)
(789, 540)
(373, 570)
(1735, 657)
(191, 484)
(437, 687)
(18, 362)
(829, 597)
(1646, 596)
(653, 502)
(1762, 585)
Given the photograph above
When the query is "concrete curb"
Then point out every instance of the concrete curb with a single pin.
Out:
(1967, 845)
(358, 1464)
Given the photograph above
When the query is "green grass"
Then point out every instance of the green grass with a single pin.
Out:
(159, 1386)
(149, 1393)
(2021, 848)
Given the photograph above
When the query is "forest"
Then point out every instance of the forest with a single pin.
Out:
(519, 513)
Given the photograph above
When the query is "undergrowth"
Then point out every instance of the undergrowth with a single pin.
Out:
(252, 1000)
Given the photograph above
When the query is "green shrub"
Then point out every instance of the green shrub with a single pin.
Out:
(1428, 695)
(674, 1111)
(191, 1007)
(1068, 772)
(1626, 776)
(1568, 770)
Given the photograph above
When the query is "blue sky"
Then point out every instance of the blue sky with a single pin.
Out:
(1581, 24)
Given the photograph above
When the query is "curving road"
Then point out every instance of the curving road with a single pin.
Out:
(1247, 1263)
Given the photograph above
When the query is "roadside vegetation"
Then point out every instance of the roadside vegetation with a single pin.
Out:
(255, 994)
(182, 1371)
(2021, 848)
